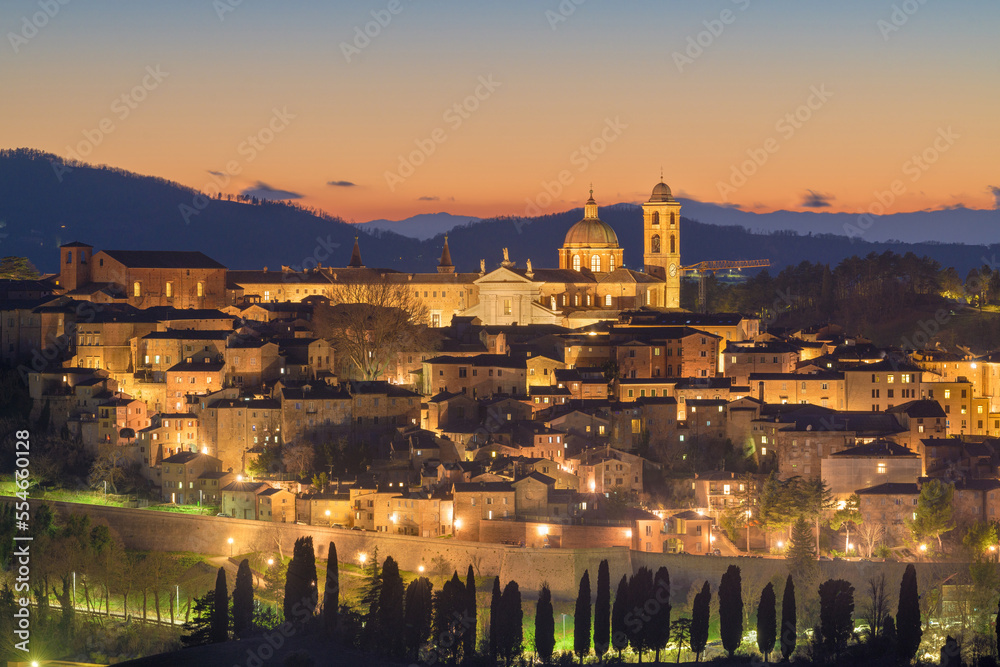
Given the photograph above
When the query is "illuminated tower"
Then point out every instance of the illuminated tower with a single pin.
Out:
(661, 226)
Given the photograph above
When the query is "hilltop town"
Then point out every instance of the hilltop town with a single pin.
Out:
(524, 406)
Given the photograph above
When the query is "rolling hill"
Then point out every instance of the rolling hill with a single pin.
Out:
(42, 207)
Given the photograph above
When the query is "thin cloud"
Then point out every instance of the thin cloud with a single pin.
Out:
(815, 199)
(215, 173)
(995, 191)
(426, 198)
(262, 190)
(341, 184)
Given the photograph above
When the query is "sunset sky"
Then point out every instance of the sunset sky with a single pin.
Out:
(368, 128)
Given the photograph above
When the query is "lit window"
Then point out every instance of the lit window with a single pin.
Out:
(881, 467)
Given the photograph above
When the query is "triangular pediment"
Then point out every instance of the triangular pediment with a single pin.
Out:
(503, 275)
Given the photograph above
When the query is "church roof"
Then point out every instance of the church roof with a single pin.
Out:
(661, 193)
(163, 259)
(623, 275)
(591, 232)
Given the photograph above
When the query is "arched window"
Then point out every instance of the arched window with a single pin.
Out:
(673, 219)
(552, 303)
(595, 263)
(654, 244)
(673, 244)
(611, 263)
(136, 288)
(607, 299)
(576, 262)
(588, 299)
(649, 298)
(656, 218)
(565, 299)
(576, 299)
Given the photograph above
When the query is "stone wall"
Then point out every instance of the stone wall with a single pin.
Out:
(561, 568)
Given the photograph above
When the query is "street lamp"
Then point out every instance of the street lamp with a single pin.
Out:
(270, 562)
(230, 540)
(362, 558)
(328, 518)
(420, 569)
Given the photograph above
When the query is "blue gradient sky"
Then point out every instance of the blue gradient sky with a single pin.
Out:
(890, 99)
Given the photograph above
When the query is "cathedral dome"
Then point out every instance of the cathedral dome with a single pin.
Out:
(661, 193)
(593, 233)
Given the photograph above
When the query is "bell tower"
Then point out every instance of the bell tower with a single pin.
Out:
(661, 225)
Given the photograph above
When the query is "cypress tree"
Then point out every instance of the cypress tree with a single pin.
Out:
(639, 587)
(602, 611)
(836, 612)
(659, 623)
(997, 624)
(581, 618)
(494, 617)
(242, 599)
(908, 631)
(449, 603)
(789, 631)
(731, 609)
(545, 625)
(219, 627)
(469, 633)
(766, 622)
(390, 606)
(619, 638)
(510, 634)
(300, 581)
(418, 611)
(331, 593)
(371, 593)
(699, 621)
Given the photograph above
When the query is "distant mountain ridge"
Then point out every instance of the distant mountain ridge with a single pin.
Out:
(422, 226)
(114, 209)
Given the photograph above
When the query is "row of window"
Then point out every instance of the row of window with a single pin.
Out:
(595, 263)
(168, 289)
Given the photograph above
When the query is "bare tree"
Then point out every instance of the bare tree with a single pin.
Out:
(110, 466)
(298, 459)
(370, 319)
(871, 535)
(878, 605)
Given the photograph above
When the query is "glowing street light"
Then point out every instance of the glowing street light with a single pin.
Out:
(420, 569)
(270, 562)
(781, 545)
(230, 540)
(923, 547)
(362, 558)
